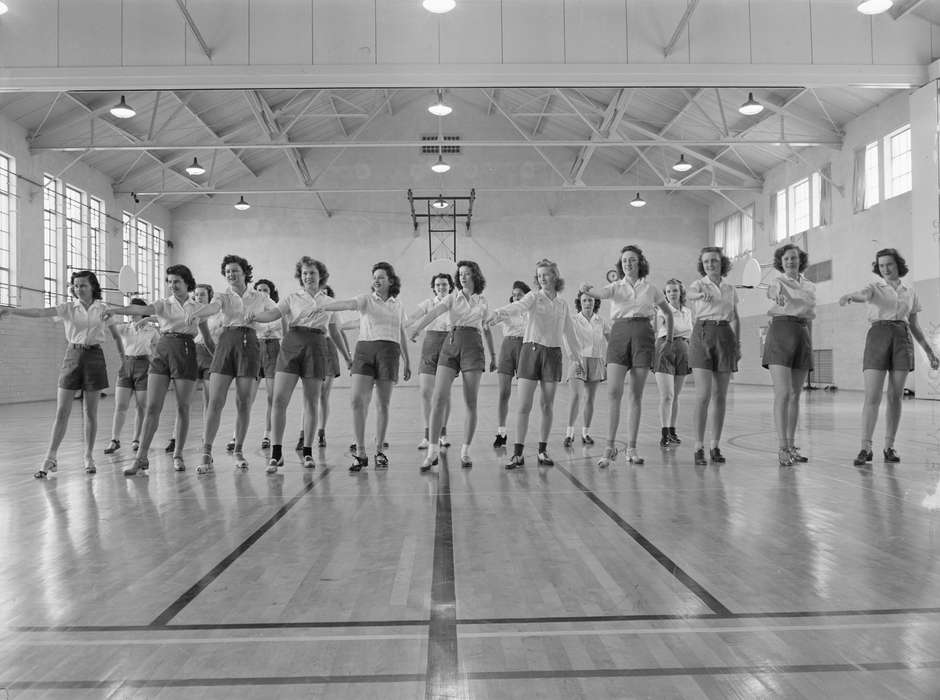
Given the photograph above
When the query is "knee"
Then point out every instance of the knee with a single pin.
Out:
(615, 393)
(182, 410)
(281, 402)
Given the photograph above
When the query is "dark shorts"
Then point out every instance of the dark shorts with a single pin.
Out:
(540, 363)
(83, 369)
(270, 347)
(431, 351)
(595, 370)
(303, 353)
(463, 351)
(889, 346)
(175, 357)
(238, 353)
(133, 372)
(203, 361)
(788, 344)
(632, 343)
(509, 355)
(332, 359)
(713, 347)
(377, 358)
(672, 358)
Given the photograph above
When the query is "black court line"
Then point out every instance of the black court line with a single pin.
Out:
(685, 579)
(176, 607)
(649, 672)
(442, 680)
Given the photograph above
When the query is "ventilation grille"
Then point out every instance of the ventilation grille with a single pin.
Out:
(447, 147)
(819, 272)
(822, 367)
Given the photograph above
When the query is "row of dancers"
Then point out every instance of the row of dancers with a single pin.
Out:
(200, 336)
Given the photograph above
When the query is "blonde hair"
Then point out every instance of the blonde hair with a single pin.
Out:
(553, 266)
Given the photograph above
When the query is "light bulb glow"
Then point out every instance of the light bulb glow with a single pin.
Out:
(751, 107)
(3, 8)
(241, 204)
(441, 166)
(682, 166)
(195, 168)
(439, 6)
(874, 7)
(440, 203)
(122, 110)
(638, 201)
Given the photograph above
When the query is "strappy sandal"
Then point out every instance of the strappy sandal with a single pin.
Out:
(359, 463)
(112, 447)
(265, 442)
(207, 466)
(610, 454)
(48, 465)
(381, 461)
(135, 445)
(429, 461)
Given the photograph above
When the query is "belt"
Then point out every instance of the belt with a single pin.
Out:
(632, 319)
(304, 329)
(243, 329)
(514, 337)
(791, 319)
(137, 357)
(79, 346)
(270, 340)
(711, 322)
(889, 323)
(675, 337)
(173, 334)
(465, 328)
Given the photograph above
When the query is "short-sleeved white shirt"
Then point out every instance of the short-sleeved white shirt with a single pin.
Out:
(462, 311)
(171, 315)
(681, 322)
(380, 320)
(214, 324)
(84, 326)
(442, 322)
(590, 334)
(885, 303)
(234, 308)
(633, 300)
(137, 341)
(721, 307)
(304, 310)
(515, 326)
(546, 317)
(801, 297)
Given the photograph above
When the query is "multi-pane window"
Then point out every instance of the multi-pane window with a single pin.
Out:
(145, 251)
(797, 207)
(735, 233)
(897, 150)
(871, 175)
(50, 247)
(7, 217)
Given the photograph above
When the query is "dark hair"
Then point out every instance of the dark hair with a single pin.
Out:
(644, 266)
(479, 281)
(137, 301)
(681, 290)
(394, 286)
(559, 280)
(207, 287)
(577, 302)
(804, 256)
(329, 290)
(307, 261)
(241, 262)
(725, 260)
(92, 280)
(275, 297)
(519, 284)
(893, 252)
(443, 276)
(184, 274)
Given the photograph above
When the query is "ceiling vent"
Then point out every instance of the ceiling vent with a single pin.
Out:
(448, 145)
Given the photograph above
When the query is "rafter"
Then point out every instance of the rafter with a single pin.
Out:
(184, 103)
(903, 8)
(610, 122)
(683, 23)
(266, 119)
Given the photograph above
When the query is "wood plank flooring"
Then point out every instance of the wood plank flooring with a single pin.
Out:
(664, 580)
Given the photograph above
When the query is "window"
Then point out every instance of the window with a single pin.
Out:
(735, 233)
(798, 207)
(7, 219)
(871, 175)
(897, 149)
(50, 248)
(145, 251)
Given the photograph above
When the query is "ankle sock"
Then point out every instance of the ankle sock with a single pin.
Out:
(517, 448)
(543, 446)
(585, 431)
(276, 452)
(501, 430)
(665, 432)
(426, 433)
(569, 431)
(308, 452)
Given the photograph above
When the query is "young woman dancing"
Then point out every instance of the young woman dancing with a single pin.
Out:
(461, 352)
(889, 349)
(375, 362)
(508, 365)
(86, 319)
(540, 361)
(592, 332)
(788, 350)
(630, 351)
(671, 364)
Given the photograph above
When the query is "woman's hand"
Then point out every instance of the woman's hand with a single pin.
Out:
(845, 299)
(492, 364)
(407, 373)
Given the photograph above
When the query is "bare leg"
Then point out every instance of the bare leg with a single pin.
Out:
(426, 382)
(184, 400)
(590, 391)
(667, 397)
(90, 406)
(269, 388)
(122, 400)
(782, 378)
(526, 394)
(719, 402)
(439, 401)
(615, 378)
(703, 395)
(638, 377)
(383, 394)
(218, 393)
(874, 385)
(140, 412)
(324, 403)
(63, 409)
(575, 386)
(798, 378)
(504, 381)
(312, 390)
(284, 384)
(361, 397)
(896, 380)
(548, 408)
(245, 390)
(157, 385)
(679, 382)
(471, 390)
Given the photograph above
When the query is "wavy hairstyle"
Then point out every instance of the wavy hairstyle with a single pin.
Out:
(644, 265)
(184, 274)
(241, 262)
(307, 261)
(275, 297)
(893, 252)
(553, 266)
(394, 286)
(479, 281)
(725, 260)
(92, 280)
(681, 290)
(804, 256)
(577, 302)
(519, 284)
(443, 276)
(210, 292)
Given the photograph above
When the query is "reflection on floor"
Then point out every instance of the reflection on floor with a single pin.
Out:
(662, 580)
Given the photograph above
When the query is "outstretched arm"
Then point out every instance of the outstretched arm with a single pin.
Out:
(427, 318)
(670, 321)
(596, 292)
(29, 313)
(340, 305)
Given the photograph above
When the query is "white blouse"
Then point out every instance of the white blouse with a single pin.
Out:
(379, 320)
(885, 303)
(442, 322)
(302, 309)
(633, 300)
(590, 333)
(547, 318)
(172, 315)
(681, 322)
(722, 305)
(462, 311)
(84, 326)
(800, 297)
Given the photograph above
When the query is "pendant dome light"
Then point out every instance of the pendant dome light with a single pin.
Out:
(638, 201)
(441, 166)
(682, 165)
(440, 202)
(440, 108)
(122, 110)
(195, 168)
(241, 204)
(439, 7)
(751, 107)
(874, 7)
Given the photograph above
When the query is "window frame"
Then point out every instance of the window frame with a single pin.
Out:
(8, 245)
(739, 226)
(144, 249)
(890, 163)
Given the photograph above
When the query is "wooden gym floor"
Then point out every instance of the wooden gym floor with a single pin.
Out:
(663, 580)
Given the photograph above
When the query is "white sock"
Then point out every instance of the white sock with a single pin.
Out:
(569, 431)
(714, 444)
(501, 430)
(584, 431)
(465, 450)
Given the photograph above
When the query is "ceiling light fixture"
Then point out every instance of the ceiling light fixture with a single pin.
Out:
(440, 202)
(874, 7)
(122, 110)
(638, 201)
(3, 8)
(195, 168)
(682, 166)
(439, 7)
(441, 166)
(751, 107)
(439, 108)
(241, 204)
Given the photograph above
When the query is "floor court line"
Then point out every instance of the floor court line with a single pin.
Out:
(190, 594)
